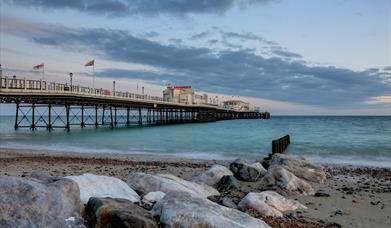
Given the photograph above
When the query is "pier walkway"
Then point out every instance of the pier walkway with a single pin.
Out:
(40, 104)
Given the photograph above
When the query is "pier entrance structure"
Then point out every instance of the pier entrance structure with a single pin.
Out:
(40, 104)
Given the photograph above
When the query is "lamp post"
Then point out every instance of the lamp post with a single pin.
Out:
(70, 76)
(114, 87)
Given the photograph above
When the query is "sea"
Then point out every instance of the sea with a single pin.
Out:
(351, 140)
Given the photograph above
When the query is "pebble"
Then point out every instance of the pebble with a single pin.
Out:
(321, 194)
(338, 212)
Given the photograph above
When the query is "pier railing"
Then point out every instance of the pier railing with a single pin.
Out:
(13, 84)
(26, 85)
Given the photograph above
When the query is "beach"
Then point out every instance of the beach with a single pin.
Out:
(351, 196)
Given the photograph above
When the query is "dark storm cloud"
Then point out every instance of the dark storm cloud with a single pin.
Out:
(239, 72)
(128, 7)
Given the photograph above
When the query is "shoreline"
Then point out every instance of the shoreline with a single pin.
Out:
(357, 196)
(336, 160)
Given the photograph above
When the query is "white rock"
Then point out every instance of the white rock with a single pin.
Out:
(153, 197)
(92, 185)
(212, 176)
(143, 182)
(181, 209)
(269, 203)
(259, 167)
(284, 182)
(300, 167)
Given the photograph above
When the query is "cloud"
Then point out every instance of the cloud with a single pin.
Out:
(130, 7)
(200, 35)
(286, 54)
(379, 100)
(239, 72)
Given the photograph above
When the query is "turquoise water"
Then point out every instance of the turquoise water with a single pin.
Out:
(352, 140)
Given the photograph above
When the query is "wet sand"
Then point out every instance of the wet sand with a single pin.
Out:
(351, 196)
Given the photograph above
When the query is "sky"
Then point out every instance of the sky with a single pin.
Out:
(289, 57)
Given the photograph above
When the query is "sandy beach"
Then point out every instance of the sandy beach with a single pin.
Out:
(351, 196)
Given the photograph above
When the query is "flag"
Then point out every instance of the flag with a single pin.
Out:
(90, 63)
(36, 67)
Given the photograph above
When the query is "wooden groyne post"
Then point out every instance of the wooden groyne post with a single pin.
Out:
(278, 147)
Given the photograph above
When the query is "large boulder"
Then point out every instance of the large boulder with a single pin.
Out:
(153, 197)
(269, 203)
(110, 212)
(166, 183)
(259, 167)
(284, 182)
(227, 182)
(247, 172)
(212, 175)
(181, 209)
(300, 167)
(39, 201)
(92, 185)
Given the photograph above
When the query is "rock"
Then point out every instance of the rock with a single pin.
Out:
(150, 199)
(153, 197)
(284, 182)
(227, 202)
(260, 168)
(181, 209)
(166, 183)
(300, 167)
(212, 175)
(321, 194)
(92, 185)
(39, 201)
(111, 212)
(227, 183)
(246, 172)
(269, 203)
(338, 212)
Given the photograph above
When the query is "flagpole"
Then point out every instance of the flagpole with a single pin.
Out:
(43, 72)
(93, 76)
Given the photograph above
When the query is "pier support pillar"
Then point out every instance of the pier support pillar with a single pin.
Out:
(128, 116)
(115, 116)
(82, 125)
(140, 118)
(67, 109)
(32, 117)
(111, 117)
(49, 126)
(96, 116)
(16, 116)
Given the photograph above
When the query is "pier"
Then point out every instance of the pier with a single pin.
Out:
(40, 104)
